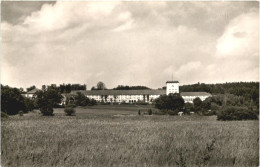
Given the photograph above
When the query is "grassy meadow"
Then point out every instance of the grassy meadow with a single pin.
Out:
(117, 136)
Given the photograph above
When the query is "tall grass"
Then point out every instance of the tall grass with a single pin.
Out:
(127, 141)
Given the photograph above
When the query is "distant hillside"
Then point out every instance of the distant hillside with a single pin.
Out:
(249, 90)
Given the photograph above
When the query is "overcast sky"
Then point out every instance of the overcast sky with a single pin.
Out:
(128, 43)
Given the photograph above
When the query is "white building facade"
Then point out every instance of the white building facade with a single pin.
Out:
(188, 97)
(123, 96)
(147, 95)
(172, 87)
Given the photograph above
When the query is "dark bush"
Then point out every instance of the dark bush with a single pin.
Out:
(47, 110)
(29, 105)
(150, 112)
(69, 111)
(236, 113)
(11, 100)
(169, 102)
(82, 100)
(92, 102)
(188, 107)
(20, 113)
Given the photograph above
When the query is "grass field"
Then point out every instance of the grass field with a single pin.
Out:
(117, 136)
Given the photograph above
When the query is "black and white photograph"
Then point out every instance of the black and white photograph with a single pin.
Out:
(129, 83)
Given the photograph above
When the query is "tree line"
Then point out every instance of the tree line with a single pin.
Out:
(102, 86)
(62, 88)
(122, 87)
(248, 90)
(225, 106)
(13, 101)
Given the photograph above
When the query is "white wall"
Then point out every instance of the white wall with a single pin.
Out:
(189, 99)
(172, 88)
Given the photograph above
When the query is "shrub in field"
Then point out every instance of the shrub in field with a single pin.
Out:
(139, 112)
(236, 113)
(150, 112)
(20, 113)
(69, 111)
(47, 110)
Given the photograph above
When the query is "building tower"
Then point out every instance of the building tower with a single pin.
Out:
(172, 87)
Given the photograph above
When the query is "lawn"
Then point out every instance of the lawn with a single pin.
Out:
(117, 136)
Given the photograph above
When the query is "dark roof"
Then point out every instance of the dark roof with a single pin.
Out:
(172, 82)
(122, 92)
(33, 91)
(195, 94)
(135, 92)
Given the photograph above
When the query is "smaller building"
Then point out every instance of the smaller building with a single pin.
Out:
(190, 96)
(31, 94)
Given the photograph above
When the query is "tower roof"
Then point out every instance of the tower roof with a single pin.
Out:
(172, 82)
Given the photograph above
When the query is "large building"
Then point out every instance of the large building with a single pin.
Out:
(147, 96)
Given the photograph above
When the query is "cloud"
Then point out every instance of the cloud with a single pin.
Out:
(130, 43)
(240, 38)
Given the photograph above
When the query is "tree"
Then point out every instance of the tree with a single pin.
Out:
(188, 108)
(101, 86)
(81, 99)
(11, 100)
(29, 104)
(197, 104)
(48, 99)
(172, 102)
(229, 94)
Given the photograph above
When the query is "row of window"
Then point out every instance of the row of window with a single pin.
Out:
(123, 96)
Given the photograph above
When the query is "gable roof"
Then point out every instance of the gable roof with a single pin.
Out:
(195, 94)
(33, 91)
(122, 92)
